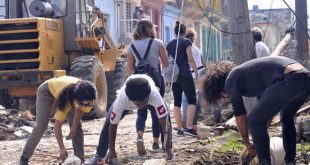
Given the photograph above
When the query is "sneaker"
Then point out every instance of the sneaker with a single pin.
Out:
(95, 160)
(140, 146)
(155, 146)
(180, 132)
(23, 161)
(190, 132)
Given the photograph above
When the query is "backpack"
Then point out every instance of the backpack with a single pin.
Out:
(169, 70)
(143, 67)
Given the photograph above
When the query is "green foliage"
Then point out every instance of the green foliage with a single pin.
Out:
(234, 143)
(303, 147)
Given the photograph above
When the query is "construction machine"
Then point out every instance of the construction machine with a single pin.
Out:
(42, 39)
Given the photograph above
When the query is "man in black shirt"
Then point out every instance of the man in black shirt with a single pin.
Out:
(280, 83)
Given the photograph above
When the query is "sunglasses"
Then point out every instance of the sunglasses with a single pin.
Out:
(81, 104)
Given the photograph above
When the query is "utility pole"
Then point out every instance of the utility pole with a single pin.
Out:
(242, 44)
(301, 32)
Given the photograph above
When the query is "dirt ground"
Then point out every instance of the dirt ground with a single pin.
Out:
(187, 150)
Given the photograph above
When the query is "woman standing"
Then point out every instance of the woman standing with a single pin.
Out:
(144, 35)
(191, 35)
(68, 98)
(185, 81)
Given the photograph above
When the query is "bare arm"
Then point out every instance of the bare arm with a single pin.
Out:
(76, 121)
(166, 126)
(243, 129)
(130, 64)
(163, 55)
(112, 136)
(191, 60)
(58, 135)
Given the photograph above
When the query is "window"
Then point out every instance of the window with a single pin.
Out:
(129, 25)
(167, 34)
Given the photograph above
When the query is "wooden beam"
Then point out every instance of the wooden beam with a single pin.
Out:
(282, 45)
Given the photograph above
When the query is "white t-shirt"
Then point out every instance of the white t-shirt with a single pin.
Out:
(123, 103)
(262, 49)
(197, 57)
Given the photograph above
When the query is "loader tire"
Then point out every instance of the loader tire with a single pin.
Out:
(90, 68)
(115, 80)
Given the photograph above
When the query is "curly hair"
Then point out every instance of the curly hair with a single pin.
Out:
(214, 81)
(81, 91)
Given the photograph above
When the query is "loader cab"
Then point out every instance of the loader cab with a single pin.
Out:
(76, 16)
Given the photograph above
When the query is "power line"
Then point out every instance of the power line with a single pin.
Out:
(298, 19)
(210, 31)
(268, 19)
(216, 26)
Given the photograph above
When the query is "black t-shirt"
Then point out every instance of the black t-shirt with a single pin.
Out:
(182, 60)
(251, 78)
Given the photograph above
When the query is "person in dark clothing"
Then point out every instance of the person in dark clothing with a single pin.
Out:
(281, 84)
(185, 81)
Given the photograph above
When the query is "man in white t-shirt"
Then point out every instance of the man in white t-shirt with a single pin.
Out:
(139, 91)
(261, 48)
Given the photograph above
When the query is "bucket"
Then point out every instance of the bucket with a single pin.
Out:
(204, 132)
(277, 153)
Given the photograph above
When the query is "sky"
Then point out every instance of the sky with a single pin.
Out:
(265, 4)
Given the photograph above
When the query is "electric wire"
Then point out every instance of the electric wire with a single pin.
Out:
(298, 19)
(208, 41)
(268, 20)
(216, 26)
(177, 45)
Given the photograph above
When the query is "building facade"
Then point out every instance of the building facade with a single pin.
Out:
(273, 22)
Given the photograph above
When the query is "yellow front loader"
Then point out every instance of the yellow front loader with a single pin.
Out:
(51, 38)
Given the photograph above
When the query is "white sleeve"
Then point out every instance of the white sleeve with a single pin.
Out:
(119, 106)
(259, 51)
(157, 101)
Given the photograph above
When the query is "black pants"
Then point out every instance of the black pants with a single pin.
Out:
(286, 96)
(186, 84)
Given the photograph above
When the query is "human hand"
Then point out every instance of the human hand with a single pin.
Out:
(110, 156)
(251, 150)
(71, 134)
(63, 154)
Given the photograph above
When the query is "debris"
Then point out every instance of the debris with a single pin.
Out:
(28, 115)
(72, 160)
(204, 131)
(277, 153)
(218, 131)
(303, 128)
(155, 161)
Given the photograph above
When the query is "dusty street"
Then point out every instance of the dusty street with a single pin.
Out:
(188, 150)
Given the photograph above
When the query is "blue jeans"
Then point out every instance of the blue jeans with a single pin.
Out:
(142, 116)
(103, 145)
(184, 109)
(140, 122)
(286, 96)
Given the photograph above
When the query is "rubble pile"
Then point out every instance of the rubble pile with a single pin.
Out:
(15, 124)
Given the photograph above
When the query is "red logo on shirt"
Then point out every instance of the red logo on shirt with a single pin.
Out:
(161, 110)
(113, 115)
